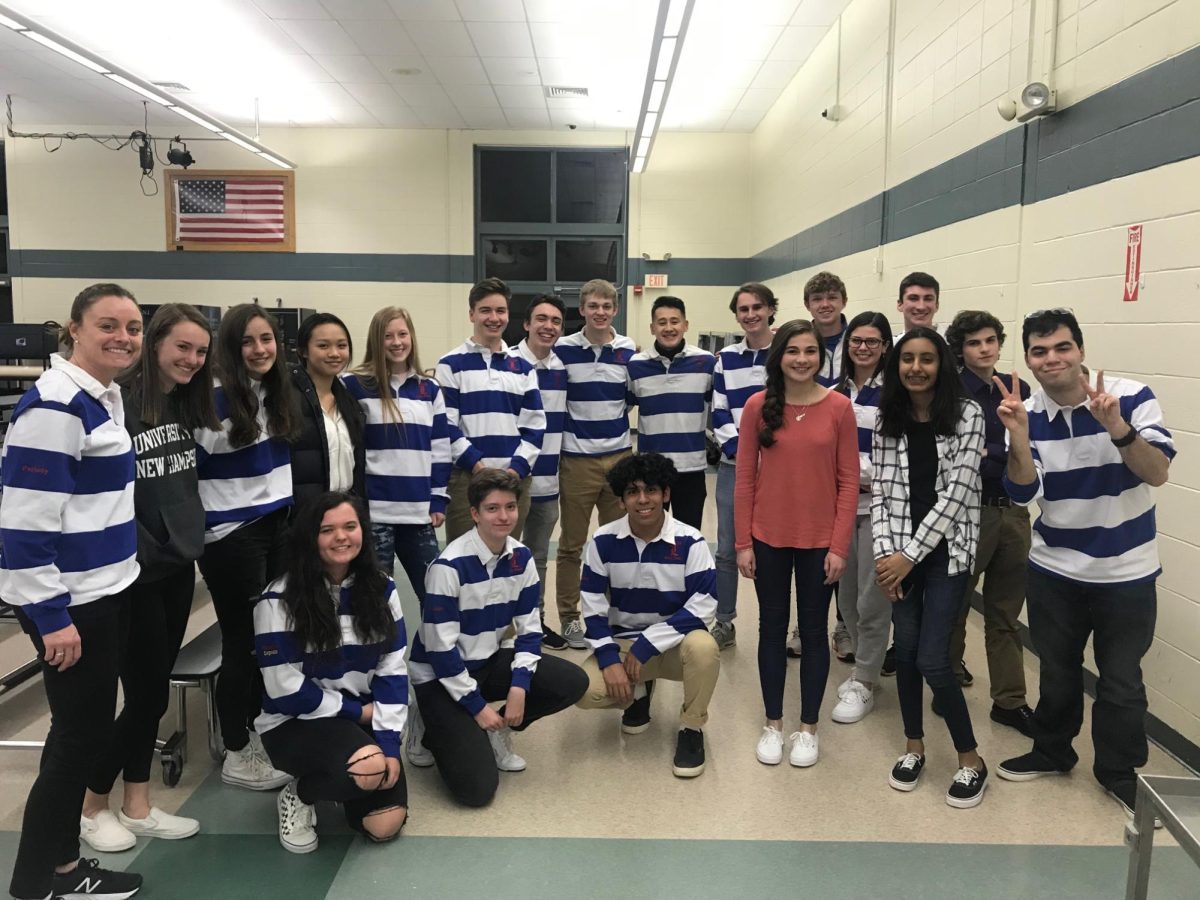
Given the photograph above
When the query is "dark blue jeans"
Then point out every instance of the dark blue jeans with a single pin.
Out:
(774, 568)
(414, 545)
(1120, 619)
(921, 624)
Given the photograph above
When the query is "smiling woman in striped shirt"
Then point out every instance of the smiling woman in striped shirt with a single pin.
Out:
(925, 524)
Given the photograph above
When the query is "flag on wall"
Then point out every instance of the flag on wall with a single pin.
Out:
(247, 210)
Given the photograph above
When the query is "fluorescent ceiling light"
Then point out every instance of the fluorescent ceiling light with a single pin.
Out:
(666, 53)
(65, 51)
(650, 124)
(643, 147)
(674, 17)
(11, 23)
(241, 142)
(276, 160)
(199, 120)
(137, 88)
(638, 164)
(656, 96)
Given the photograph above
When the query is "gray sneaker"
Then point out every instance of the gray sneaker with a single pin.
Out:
(725, 634)
(573, 634)
(843, 647)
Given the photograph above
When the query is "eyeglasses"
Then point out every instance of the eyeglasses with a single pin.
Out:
(869, 343)
(1056, 311)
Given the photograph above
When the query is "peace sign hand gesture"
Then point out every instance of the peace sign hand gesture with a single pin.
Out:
(1011, 410)
(1105, 408)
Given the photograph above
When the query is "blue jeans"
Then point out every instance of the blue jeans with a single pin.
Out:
(1120, 618)
(414, 545)
(921, 624)
(727, 570)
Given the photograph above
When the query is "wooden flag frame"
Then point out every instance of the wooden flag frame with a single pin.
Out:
(287, 245)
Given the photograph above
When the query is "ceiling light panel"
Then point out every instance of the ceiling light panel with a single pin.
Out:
(65, 51)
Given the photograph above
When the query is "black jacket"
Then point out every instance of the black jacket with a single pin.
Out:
(166, 496)
(310, 451)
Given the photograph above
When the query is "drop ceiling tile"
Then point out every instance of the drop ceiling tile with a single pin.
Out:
(565, 117)
(423, 95)
(316, 36)
(521, 96)
(797, 42)
(584, 10)
(484, 118)
(472, 96)
(760, 99)
(387, 66)
(525, 117)
(572, 70)
(441, 38)
(374, 95)
(425, 10)
(381, 38)
(292, 9)
(822, 13)
(396, 117)
(508, 70)
(440, 117)
(491, 10)
(760, 12)
(458, 70)
(743, 120)
(305, 69)
(351, 10)
(501, 38)
(351, 69)
(553, 103)
(776, 74)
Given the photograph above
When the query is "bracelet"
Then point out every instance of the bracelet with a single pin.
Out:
(1129, 438)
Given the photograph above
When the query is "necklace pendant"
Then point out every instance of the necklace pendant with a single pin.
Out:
(800, 417)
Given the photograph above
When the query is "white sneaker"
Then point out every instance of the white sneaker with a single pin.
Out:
(297, 821)
(160, 825)
(506, 759)
(770, 746)
(804, 749)
(414, 738)
(105, 833)
(246, 768)
(856, 701)
(845, 685)
(794, 645)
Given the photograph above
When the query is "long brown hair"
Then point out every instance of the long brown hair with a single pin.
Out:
(283, 415)
(375, 372)
(773, 398)
(194, 400)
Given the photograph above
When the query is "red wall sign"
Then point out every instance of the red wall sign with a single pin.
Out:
(1133, 262)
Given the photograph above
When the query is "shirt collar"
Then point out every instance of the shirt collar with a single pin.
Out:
(666, 534)
(1053, 408)
(742, 347)
(686, 350)
(480, 549)
(473, 346)
(526, 353)
(973, 383)
(85, 382)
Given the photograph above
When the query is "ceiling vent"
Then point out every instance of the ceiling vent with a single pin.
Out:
(172, 86)
(555, 90)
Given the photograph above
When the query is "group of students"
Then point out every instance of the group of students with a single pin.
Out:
(848, 461)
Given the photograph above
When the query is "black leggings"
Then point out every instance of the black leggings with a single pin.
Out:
(82, 701)
(154, 618)
(316, 751)
(461, 748)
(236, 569)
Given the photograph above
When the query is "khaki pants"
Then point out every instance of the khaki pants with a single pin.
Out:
(458, 510)
(1003, 557)
(696, 661)
(582, 487)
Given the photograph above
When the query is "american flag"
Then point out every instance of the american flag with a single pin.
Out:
(229, 209)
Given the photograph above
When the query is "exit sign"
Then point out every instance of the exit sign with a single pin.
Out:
(656, 281)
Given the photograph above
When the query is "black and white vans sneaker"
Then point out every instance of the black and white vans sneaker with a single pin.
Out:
(689, 753)
(907, 771)
(90, 882)
(966, 790)
(1125, 793)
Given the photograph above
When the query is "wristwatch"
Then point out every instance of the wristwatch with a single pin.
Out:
(1129, 438)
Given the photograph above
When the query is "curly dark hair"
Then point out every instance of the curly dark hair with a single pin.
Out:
(968, 321)
(895, 404)
(306, 595)
(772, 408)
(283, 408)
(651, 469)
(824, 283)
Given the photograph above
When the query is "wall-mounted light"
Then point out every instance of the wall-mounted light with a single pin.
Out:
(669, 31)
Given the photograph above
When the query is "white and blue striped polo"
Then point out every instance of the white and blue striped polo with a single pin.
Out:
(673, 396)
(241, 484)
(597, 404)
(552, 382)
(865, 401)
(408, 460)
(1097, 517)
(654, 592)
(831, 370)
(472, 596)
(493, 406)
(301, 684)
(740, 373)
(66, 514)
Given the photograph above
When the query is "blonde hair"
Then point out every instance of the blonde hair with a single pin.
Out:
(375, 370)
(597, 287)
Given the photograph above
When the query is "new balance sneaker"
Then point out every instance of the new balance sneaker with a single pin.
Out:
(414, 739)
(1020, 718)
(87, 881)
(907, 771)
(502, 749)
(805, 748)
(160, 825)
(689, 753)
(770, 746)
(247, 768)
(1125, 793)
(856, 700)
(889, 662)
(724, 633)
(297, 821)
(843, 647)
(1027, 767)
(104, 833)
(572, 633)
(551, 639)
(793, 645)
(636, 717)
(966, 790)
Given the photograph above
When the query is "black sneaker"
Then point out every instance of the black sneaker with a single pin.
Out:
(965, 678)
(966, 790)
(551, 639)
(1020, 718)
(1027, 767)
(90, 882)
(889, 661)
(1125, 793)
(689, 753)
(907, 771)
(636, 717)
